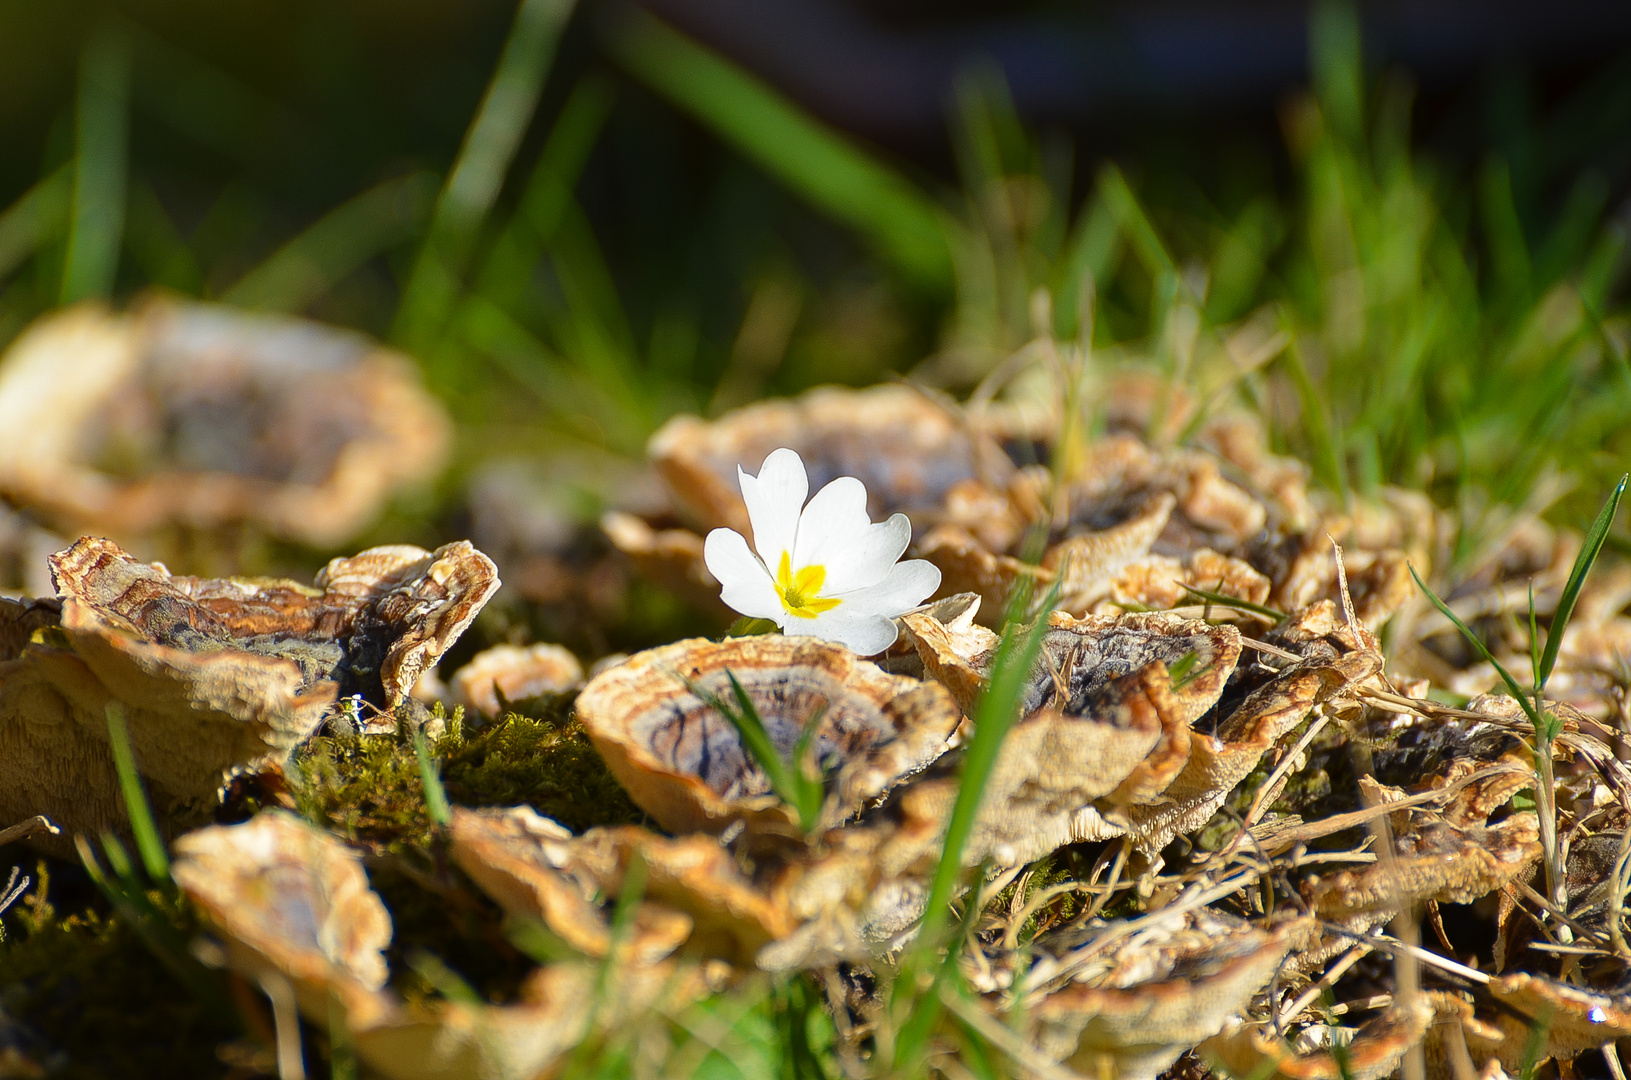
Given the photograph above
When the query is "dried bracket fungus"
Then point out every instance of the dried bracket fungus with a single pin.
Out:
(1129, 525)
(504, 675)
(199, 415)
(215, 677)
(682, 761)
(1130, 1010)
(292, 904)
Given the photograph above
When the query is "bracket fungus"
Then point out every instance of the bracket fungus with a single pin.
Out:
(908, 449)
(216, 677)
(1371, 1051)
(1128, 1011)
(292, 903)
(504, 675)
(683, 762)
(200, 415)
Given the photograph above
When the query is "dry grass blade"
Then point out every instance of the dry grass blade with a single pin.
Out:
(39, 823)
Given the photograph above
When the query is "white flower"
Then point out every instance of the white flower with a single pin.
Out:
(827, 572)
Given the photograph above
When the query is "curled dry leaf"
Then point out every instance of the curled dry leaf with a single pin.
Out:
(500, 676)
(1130, 1012)
(200, 415)
(682, 761)
(215, 676)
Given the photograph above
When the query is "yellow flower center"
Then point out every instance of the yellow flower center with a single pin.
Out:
(800, 593)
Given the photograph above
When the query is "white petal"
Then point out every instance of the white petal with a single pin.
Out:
(773, 499)
(908, 585)
(863, 633)
(747, 586)
(836, 533)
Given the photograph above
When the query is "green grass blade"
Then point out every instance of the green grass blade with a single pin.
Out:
(142, 825)
(1094, 244)
(1589, 550)
(1534, 642)
(209, 105)
(97, 215)
(743, 715)
(1221, 600)
(1511, 684)
(436, 804)
(157, 933)
(478, 173)
(39, 214)
(336, 244)
(1135, 223)
(443, 979)
(901, 222)
(505, 273)
(997, 711)
(1322, 434)
(1335, 46)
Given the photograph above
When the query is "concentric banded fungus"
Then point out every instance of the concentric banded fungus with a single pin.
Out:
(532, 867)
(811, 908)
(683, 763)
(215, 676)
(292, 900)
(1080, 655)
(292, 903)
(1130, 1012)
(908, 450)
(191, 414)
(506, 674)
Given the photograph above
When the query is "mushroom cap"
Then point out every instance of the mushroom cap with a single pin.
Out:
(907, 448)
(201, 415)
(514, 673)
(683, 763)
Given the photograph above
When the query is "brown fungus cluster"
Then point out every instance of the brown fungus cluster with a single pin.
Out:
(1248, 815)
(213, 677)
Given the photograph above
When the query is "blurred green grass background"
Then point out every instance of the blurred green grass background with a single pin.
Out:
(582, 222)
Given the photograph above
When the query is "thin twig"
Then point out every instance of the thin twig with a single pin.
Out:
(1347, 960)
(1264, 792)
(1431, 959)
(1270, 650)
(1557, 913)
(24, 829)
